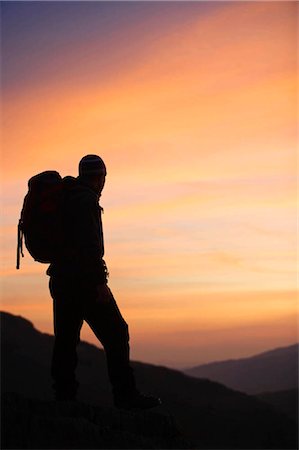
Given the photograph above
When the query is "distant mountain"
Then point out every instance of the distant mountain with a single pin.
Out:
(208, 414)
(272, 371)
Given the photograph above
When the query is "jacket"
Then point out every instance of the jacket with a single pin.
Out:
(83, 246)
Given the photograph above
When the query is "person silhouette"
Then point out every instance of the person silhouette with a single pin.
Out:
(79, 288)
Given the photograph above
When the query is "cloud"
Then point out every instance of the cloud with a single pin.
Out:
(197, 124)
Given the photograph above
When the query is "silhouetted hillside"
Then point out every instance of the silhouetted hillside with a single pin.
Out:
(207, 413)
(272, 371)
(285, 401)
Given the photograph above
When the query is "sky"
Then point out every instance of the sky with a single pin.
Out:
(192, 106)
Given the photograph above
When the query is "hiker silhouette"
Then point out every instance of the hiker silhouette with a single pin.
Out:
(78, 286)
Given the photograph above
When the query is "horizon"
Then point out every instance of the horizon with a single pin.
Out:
(198, 130)
(96, 344)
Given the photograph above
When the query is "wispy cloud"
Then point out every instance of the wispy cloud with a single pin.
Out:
(193, 108)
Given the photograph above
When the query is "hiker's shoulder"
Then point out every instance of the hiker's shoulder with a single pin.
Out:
(77, 191)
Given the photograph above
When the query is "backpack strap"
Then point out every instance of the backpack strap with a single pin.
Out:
(20, 242)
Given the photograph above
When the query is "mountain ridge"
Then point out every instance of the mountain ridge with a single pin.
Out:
(244, 358)
(199, 406)
(254, 375)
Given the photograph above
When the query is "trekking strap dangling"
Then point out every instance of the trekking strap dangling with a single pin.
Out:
(20, 243)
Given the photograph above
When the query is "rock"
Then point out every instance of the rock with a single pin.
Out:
(31, 424)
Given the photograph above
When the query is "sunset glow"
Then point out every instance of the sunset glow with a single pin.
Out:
(192, 106)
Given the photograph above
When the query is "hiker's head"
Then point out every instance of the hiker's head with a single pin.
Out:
(92, 170)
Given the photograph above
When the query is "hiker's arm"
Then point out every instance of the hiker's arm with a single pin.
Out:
(88, 235)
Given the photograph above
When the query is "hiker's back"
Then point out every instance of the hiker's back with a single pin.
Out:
(83, 247)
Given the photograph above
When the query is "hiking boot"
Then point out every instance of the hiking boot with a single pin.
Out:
(137, 400)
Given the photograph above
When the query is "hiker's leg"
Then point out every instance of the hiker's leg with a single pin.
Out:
(106, 321)
(67, 325)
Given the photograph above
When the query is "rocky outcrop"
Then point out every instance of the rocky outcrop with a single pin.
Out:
(36, 424)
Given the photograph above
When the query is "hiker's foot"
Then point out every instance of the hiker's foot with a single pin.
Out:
(136, 401)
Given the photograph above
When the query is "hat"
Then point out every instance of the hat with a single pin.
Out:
(91, 165)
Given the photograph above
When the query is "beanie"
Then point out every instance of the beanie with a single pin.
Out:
(91, 165)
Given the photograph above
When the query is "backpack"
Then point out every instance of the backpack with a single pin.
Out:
(41, 218)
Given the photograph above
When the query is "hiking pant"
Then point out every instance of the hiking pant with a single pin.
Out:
(76, 300)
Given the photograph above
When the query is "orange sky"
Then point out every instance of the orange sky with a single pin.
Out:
(193, 109)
